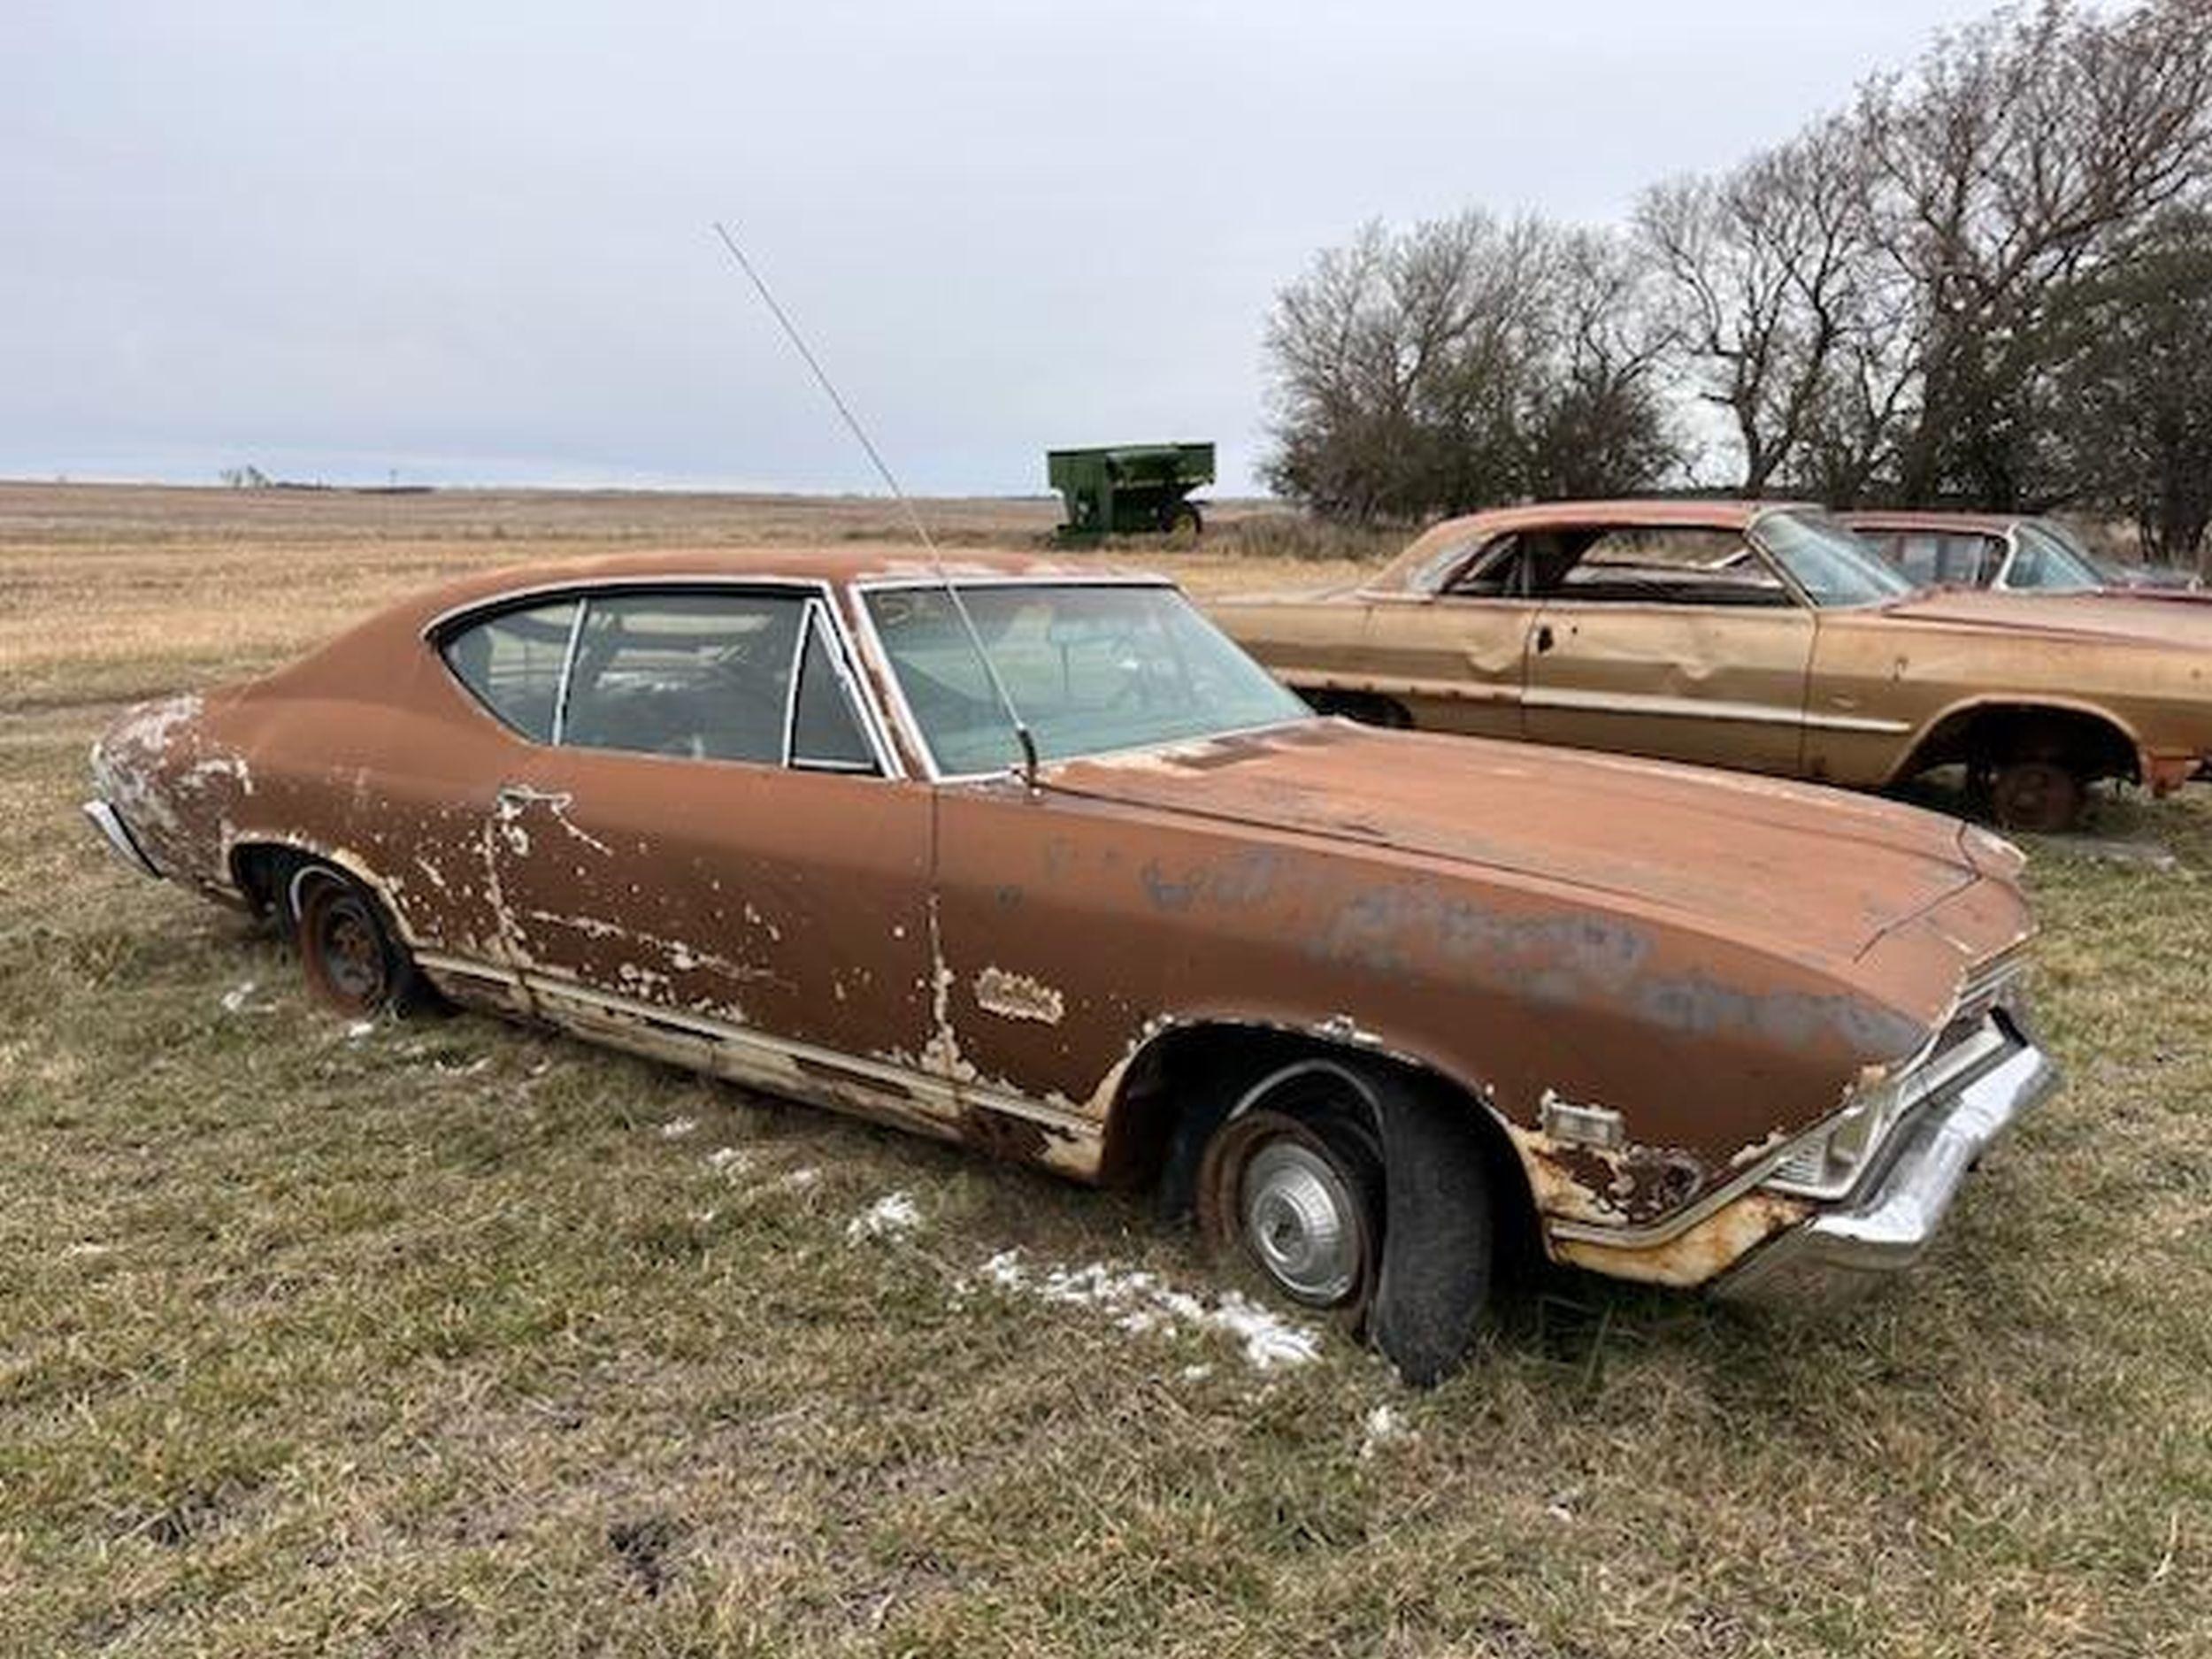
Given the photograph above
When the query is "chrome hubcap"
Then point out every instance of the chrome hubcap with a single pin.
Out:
(1300, 1223)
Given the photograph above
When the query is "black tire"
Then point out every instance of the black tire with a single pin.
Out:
(355, 964)
(1183, 518)
(1380, 1193)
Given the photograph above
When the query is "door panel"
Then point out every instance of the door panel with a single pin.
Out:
(1719, 685)
(764, 910)
(1458, 664)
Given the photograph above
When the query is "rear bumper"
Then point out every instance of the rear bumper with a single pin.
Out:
(1845, 1250)
(116, 835)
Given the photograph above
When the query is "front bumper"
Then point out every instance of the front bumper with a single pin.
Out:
(118, 836)
(1843, 1251)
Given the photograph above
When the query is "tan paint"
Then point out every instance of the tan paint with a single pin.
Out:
(1848, 697)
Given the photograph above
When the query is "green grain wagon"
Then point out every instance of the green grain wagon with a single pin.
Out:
(1130, 489)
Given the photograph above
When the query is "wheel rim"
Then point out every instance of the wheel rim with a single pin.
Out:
(345, 951)
(1301, 1223)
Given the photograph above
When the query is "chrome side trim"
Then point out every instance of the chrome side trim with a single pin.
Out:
(118, 836)
(1703, 709)
(780, 1055)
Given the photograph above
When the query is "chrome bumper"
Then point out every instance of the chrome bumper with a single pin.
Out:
(1842, 1252)
(116, 834)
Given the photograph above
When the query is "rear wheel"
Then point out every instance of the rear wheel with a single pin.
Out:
(354, 965)
(2037, 795)
(1183, 520)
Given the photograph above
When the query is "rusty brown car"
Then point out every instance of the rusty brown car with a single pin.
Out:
(1751, 635)
(1381, 1006)
(2005, 552)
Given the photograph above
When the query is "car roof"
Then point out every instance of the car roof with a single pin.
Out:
(837, 566)
(1996, 524)
(1406, 574)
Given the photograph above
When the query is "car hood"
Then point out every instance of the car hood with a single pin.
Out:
(1812, 872)
(2102, 616)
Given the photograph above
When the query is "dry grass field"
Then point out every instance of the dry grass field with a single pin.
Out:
(449, 1338)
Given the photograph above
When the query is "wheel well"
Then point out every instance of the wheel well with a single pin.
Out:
(263, 871)
(2088, 744)
(1369, 708)
(1181, 1085)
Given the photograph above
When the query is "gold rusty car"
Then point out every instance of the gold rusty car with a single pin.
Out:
(1755, 635)
(1378, 1005)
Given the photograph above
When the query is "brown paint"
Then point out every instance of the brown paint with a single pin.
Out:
(1717, 959)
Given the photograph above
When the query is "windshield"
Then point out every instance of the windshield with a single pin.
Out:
(2045, 561)
(1092, 667)
(1832, 566)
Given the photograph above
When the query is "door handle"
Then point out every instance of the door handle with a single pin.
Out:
(519, 794)
(1543, 636)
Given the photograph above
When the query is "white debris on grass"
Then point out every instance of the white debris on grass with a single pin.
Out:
(234, 999)
(799, 1180)
(1140, 1301)
(889, 1216)
(359, 1029)
(677, 1128)
(728, 1159)
(89, 1248)
(1384, 1425)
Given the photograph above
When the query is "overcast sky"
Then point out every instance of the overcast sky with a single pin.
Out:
(469, 243)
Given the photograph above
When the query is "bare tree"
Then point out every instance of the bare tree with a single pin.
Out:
(2011, 162)
(1767, 280)
(1463, 362)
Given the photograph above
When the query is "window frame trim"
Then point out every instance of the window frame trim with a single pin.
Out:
(813, 592)
(879, 658)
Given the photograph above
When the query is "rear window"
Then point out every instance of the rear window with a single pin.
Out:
(511, 663)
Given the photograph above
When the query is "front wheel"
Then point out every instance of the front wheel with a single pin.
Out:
(1362, 1190)
(1299, 1196)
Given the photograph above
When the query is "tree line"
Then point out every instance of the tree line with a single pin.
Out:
(1987, 283)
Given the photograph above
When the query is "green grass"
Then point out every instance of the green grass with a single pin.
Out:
(434, 1343)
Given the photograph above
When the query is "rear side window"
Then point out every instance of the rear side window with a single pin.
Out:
(698, 674)
(512, 663)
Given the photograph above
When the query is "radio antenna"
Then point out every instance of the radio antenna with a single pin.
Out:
(937, 560)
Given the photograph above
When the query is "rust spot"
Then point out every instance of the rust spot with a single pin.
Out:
(1700, 1253)
(1006, 1135)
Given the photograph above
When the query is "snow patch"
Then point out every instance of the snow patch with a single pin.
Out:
(891, 1215)
(1139, 1302)
(1385, 1423)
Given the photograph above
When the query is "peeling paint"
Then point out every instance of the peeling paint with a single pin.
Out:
(1017, 997)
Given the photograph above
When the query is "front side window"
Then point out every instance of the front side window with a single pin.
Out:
(511, 663)
(1833, 566)
(2044, 563)
(704, 675)
(1091, 667)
